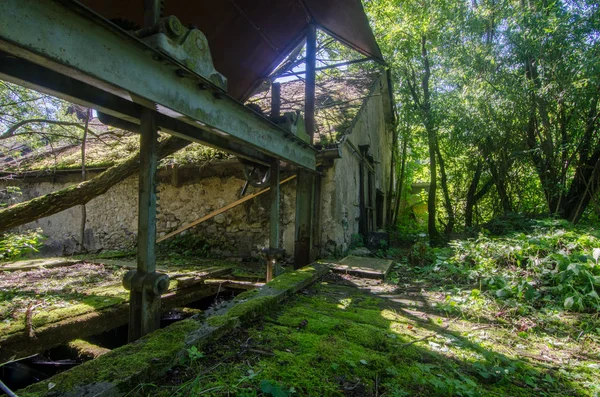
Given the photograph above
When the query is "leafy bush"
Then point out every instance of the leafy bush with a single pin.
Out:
(554, 264)
(16, 245)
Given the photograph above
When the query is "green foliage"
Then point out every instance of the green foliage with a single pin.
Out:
(421, 254)
(509, 90)
(17, 245)
(356, 241)
(552, 264)
(272, 388)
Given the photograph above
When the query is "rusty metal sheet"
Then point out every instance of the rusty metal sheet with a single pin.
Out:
(249, 38)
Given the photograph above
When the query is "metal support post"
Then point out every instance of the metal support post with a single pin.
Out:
(274, 219)
(304, 215)
(306, 180)
(275, 100)
(144, 283)
(309, 88)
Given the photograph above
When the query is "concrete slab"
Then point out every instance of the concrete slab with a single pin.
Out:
(359, 266)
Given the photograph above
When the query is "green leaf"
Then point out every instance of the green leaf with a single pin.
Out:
(568, 304)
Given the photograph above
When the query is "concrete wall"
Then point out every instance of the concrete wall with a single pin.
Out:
(188, 194)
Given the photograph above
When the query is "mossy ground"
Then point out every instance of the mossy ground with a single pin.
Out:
(342, 337)
(58, 293)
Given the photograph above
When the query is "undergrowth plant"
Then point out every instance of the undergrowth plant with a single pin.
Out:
(17, 245)
(554, 264)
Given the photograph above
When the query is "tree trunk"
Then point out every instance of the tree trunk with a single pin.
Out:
(471, 195)
(71, 196)
(401, 180)
(447, 202)
(434, 236)
(394, 149)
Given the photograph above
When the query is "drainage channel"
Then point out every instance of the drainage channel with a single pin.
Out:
(27, 371)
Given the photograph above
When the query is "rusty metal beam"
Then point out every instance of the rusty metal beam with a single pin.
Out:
(69, 39)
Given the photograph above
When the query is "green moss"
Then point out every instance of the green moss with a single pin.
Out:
(288, 280)
(339, 339)
(246, 295)
(150, 354)
(252, 308)
(218, 321)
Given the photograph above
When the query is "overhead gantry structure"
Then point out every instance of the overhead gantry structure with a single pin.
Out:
(159, 75)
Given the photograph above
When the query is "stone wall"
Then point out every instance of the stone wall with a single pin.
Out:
(112, 217)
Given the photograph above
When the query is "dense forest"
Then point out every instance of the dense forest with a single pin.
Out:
(498, 106)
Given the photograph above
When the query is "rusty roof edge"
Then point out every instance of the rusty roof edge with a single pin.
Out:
(373, 88)
(377, 57)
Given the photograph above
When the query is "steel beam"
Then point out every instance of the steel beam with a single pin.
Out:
(274, 218)
(30, 75)
(144, 308)
(70, 39)
(306, 181)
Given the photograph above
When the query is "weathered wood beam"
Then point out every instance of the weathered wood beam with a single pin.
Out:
(221, 210)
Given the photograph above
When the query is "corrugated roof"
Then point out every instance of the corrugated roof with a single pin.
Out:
(249, 38)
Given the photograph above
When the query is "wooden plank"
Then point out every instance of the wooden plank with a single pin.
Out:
(61, 332)
(235, 284)
(189, 287)
(37, 263)
(363, 267)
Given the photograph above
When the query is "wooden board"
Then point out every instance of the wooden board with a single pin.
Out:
(363, 267)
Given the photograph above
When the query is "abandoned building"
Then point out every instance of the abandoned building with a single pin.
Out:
(283, 167)
(190, 188)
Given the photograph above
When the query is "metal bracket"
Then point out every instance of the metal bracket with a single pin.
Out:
(292, 122)
(256, 174)
(188, 46)
(154, 283)
(144, 301)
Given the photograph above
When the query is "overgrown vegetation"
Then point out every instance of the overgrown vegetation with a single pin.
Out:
(498, 104)
(339, 340)
(549, 265)
(17, 245)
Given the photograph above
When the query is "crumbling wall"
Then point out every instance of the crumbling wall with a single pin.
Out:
(340, 197)
(112, 218)
(243, 230)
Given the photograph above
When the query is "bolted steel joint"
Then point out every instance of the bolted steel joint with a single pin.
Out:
(173, 26)
(154, 283)
(272, 254)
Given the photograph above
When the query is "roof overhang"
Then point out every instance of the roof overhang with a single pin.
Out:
(249, 38)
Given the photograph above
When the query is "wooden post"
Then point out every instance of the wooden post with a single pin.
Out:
(305, 183)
